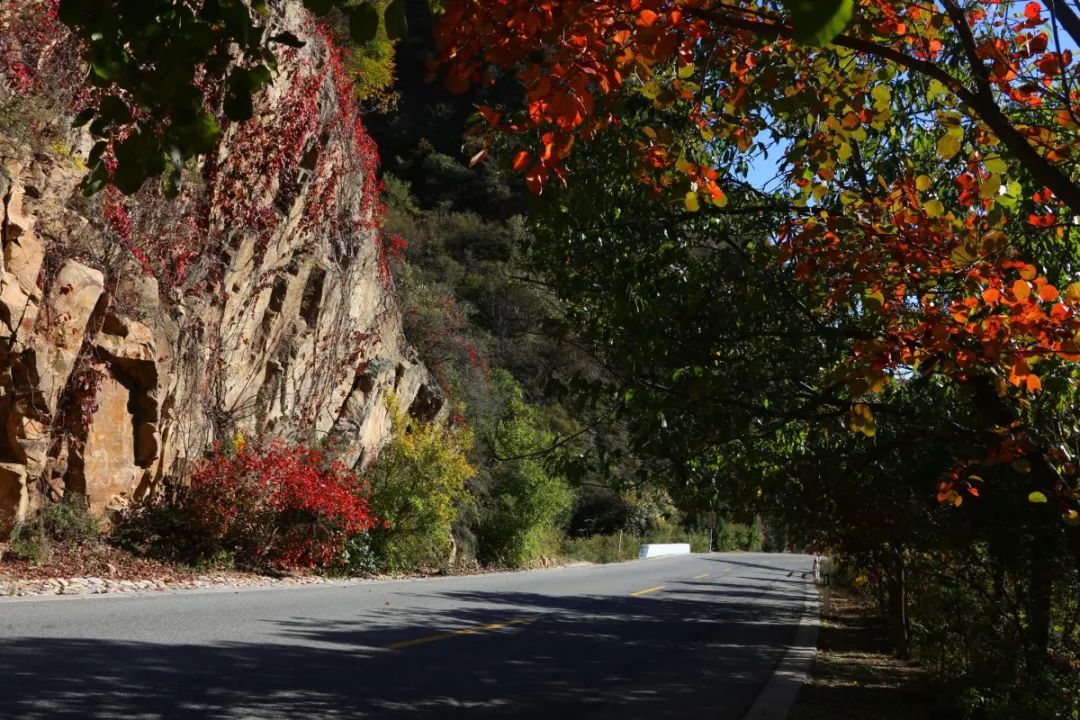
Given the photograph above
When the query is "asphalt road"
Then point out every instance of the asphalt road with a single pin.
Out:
(682, 637)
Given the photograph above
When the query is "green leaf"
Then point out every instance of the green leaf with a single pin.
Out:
(71, 12)
(170, 184)
(817, 22)
(1037, 497)
(95, 180)
(130, 172)
(198, 136)
(97, 151)
(287, 38)
(396, 26)
(84, 117)
(363, 23)
(114, 110)
(237, 103)
(319, 7)
(238, 106)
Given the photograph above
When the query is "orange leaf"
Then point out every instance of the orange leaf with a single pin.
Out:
(521, 160)
(490, 115)
(535, 180)
(1021, 290)
(1048, 293)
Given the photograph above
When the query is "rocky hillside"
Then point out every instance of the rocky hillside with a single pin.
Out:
(136, 332)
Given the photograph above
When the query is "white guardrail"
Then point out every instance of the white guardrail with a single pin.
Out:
(651, 551)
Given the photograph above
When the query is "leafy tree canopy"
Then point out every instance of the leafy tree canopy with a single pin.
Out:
(925, 177)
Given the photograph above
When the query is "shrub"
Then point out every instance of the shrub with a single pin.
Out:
(67, 522)
(417, 483)
(602, 548)
(278, 506)
(163, 527)
(359, 557)
(526, 501)
(29, 543)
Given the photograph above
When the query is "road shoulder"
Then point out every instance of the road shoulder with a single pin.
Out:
(776, 699)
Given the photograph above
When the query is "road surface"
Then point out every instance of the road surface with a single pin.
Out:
(680, 637)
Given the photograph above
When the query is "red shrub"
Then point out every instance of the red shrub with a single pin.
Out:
(277, 505)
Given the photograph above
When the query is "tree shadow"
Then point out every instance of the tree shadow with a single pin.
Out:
(686, 651)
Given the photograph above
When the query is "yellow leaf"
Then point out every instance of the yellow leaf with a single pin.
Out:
(1072, 293)
(844, 152)
(996, 165)
(923, 183)
(1037, 497)
(720, 200)
(882, 96)
(692, 203)
(862, 420)
(989, 187)
(934, 208)
(874, 300)
(948, 146)
(962, 255)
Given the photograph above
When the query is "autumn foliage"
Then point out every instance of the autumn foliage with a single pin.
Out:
(924, 160)
(271, 504)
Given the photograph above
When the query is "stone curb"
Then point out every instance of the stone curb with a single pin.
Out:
(10, 589)
(101, 586)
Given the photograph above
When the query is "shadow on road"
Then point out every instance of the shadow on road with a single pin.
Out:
(665, 655)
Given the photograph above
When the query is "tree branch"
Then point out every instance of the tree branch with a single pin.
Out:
(1065, 15)
(1042, 170)
(978, 69)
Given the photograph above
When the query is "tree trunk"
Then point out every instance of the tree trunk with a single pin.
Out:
(1039, 603)
(899, 624)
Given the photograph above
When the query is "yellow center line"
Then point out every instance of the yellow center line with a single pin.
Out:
(701, 577)
(458, 633)
(646, 591)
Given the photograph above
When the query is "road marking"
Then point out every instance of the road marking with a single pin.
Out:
(646, 591)
(459, 633)
(701, 577)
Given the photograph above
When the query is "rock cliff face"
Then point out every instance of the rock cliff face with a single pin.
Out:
(134, 333)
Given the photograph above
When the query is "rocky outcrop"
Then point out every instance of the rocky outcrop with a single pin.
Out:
(278, 318)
